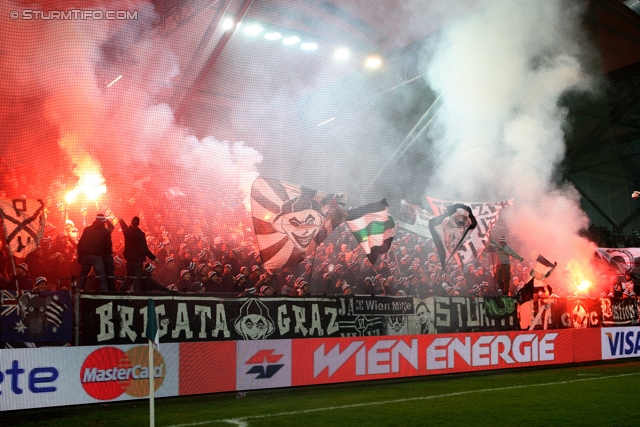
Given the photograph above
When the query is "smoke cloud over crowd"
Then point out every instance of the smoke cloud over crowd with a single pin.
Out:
(85, 96)
(502, 71)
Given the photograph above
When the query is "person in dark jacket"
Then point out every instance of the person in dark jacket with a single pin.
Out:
(21, 280)
(135, 253)
(93, 245)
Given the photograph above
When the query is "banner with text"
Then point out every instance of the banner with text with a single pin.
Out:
(329, 360)
(60, 376)
(619, 311)
(109, 319)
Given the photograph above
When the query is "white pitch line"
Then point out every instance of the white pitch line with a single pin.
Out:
(242, 421)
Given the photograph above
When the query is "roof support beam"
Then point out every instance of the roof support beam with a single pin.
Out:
(594, 204)
(211, 61)
(617, 112)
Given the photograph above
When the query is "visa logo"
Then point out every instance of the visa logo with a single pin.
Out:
(623, 343)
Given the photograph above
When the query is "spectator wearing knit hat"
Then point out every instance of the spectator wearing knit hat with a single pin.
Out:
(202, 272)
(184, 283)
(21, 280)
(167, 271)
(231, 258)
(185, 259)
(213, 282)
(346, 289)
(218, 268)
(40, 284)
(287, 287)
(228, 280)
(148, 282)
(240, 282)
(265, 291)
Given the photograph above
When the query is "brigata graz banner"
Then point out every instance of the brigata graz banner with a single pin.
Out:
(43, 316)
(109, 319)
(114, 319)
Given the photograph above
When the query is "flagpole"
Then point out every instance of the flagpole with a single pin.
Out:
(152, 335)
(397, 269)
(151, 385)
(493, 264)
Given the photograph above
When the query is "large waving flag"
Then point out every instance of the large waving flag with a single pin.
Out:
(542, 266)
(451, 229)
(414, 219)
(625, 260)
(373, 228)
(23, 222)
(486, 214)
(290, 221)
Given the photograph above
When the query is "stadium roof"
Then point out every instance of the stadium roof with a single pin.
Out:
(603, 146)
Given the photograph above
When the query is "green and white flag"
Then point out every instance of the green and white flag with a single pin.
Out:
(373, 228)
(152, 332)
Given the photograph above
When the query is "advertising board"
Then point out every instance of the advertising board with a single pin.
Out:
(57, 376)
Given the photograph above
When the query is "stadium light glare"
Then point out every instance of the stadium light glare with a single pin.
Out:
(252, 30)
(373, 62)
(342, 54)
(309, 46)
(227, 24)
(291, 40)
(273, 36)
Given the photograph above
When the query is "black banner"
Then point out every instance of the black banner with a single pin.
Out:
(461, 314)
(579, 313)
(109, 319)
(619, 311)
(382, 306)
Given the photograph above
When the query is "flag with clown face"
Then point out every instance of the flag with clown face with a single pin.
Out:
(290, 221)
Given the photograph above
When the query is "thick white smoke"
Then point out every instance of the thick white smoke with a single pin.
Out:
(501, 72)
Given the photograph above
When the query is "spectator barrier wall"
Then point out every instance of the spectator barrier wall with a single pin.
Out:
(56, 376)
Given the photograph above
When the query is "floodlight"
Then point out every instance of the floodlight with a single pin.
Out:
(291, 40)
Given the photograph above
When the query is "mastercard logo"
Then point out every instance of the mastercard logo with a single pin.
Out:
(109, 372)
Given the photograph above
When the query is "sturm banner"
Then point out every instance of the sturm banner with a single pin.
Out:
(454, 314)
(108, 319)
(460, 314)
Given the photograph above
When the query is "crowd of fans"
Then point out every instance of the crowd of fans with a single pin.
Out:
(216, 253)
(605, 237)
